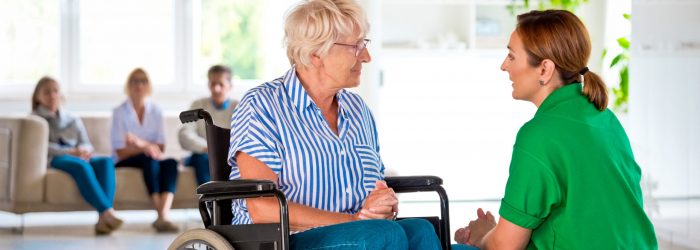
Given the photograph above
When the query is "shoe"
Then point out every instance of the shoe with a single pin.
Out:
(165, 226)
(102, 228)
(115, 223)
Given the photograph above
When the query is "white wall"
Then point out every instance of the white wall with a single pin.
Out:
(664, 110)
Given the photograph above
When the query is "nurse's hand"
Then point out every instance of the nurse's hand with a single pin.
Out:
(478, 228)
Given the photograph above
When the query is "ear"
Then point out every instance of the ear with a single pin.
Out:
(547, 70)
(316, 61)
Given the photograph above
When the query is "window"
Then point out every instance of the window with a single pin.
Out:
(118, 36)
(244, 34)
(30, 32)
(230, 34)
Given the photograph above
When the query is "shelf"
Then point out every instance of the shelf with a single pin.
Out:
(445, 24)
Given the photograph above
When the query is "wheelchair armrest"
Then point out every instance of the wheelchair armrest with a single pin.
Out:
(416, 183)
(236, 187)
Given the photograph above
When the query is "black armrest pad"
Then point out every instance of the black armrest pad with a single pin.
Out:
(413, 181)
(236, 186)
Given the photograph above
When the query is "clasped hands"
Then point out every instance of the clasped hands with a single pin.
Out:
(150, 149)
(80, 153)
(477, 229)
(381, 203)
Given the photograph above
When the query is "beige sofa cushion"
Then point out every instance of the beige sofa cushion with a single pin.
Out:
(130, 188)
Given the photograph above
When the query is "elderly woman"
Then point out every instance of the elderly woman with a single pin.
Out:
(574, 183)
(318, 142)
(138, 140)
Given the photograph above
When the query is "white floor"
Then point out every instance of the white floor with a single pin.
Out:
(677, 225)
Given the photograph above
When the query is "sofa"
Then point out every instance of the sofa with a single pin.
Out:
(28, 185)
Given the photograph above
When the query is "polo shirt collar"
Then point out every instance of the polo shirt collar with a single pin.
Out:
(564, 93)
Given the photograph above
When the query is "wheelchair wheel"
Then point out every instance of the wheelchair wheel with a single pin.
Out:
(200, 239)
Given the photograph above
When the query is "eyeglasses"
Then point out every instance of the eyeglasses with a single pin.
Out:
(361, 45)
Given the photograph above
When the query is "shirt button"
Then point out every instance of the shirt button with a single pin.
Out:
(348, 190)
(342, 152)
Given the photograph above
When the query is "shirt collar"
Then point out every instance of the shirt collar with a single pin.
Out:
(301, 99)
(146, 106)
(223, 106)
(560, 95)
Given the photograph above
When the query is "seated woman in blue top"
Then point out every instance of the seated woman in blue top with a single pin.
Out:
(318, 142)
(70, 151)
(138, 140)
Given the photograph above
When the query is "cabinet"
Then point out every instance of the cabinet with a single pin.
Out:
(454, 25)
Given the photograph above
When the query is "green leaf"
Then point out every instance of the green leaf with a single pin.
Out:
(623, 42)
(616, 60)
(605, 52)
(626, 16)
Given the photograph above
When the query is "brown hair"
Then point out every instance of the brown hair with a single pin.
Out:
(131, 77)
(560, 36)
(39, 85)
(218, 69)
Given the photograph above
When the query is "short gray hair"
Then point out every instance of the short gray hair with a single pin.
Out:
(314, 25)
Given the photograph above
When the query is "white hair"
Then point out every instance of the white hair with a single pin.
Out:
(314, 25)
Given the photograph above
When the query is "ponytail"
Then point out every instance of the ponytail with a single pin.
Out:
(594, 88)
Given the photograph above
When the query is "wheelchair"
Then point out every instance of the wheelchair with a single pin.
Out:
(215, 199)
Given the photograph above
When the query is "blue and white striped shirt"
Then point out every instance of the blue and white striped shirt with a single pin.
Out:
(279, 124)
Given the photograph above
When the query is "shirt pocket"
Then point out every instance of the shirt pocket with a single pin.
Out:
(371, 164)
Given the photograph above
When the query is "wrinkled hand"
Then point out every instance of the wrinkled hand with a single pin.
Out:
(381, 203)
(474, 233)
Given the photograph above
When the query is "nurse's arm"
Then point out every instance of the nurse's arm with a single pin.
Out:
(506, 235)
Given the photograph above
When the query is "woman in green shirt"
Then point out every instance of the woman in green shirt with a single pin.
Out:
(573, 183)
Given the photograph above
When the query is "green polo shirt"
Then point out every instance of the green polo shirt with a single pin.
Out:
(574, 181)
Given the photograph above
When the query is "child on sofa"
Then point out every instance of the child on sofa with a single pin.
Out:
(70, 151)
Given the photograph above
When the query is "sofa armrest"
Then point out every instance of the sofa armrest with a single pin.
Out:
(25, 148)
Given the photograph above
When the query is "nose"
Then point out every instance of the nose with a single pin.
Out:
(503, 65)
(364, 56)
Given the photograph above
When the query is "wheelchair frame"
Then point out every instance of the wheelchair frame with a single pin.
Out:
(215, 196)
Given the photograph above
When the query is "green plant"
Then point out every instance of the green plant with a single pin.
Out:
(621, 63)
(231, 35)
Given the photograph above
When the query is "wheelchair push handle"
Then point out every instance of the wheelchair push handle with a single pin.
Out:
(194, 115)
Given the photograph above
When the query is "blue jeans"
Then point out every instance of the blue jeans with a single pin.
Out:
(95, 179)
(200, 163)
(369, 234)
(159, 176)
(463, 247)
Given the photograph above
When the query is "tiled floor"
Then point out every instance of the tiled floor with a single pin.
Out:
(677, 225)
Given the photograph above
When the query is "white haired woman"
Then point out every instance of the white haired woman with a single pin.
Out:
(318, 142)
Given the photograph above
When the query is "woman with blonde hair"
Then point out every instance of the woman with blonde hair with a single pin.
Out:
(70, 151)
(573, 183)
(318, 141)
(138, 140)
